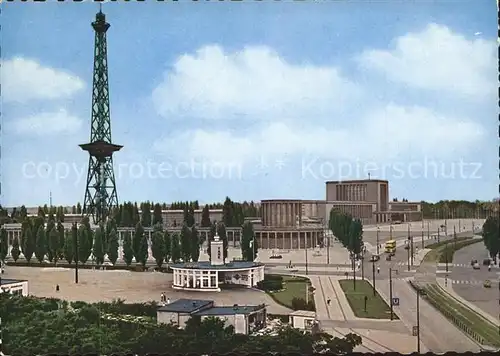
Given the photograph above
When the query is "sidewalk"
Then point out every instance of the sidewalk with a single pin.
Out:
(449, 289)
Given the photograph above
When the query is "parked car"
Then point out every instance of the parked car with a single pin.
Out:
(476, 266)
(487, 262)
(473, 262)
(374, 258)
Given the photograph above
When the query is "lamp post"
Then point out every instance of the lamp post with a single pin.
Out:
(446, 254)
(411, 244)
(428, 233)
(76, 256)
(438, 234)
(373, 278)
(408, 242)
(419, 293)
(454, 238)
(378, 241)
(390, 292)
(305, 250)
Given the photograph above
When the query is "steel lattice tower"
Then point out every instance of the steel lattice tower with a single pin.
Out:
(100, 193)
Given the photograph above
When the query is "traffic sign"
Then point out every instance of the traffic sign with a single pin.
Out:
(395, 301)
(414, 331)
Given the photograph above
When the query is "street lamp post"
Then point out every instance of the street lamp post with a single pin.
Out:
(378, 242)
(446, 254)
(408, 254)
(373, 278)
(411, 244)
(438, 235)
(419, 293)
(454, 238)
(428, 233)
(305, 249)
(390, 293)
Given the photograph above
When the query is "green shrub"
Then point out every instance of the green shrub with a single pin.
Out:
(300, 304)
(271, 283)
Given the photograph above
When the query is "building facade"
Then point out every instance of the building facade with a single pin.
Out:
(245, 319)
(208, 276)
(14, 286)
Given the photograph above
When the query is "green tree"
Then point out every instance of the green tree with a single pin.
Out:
(249, 246)
(41, 244)
(146, 214)
(185, 243)
(110, 225)
(221, 231)
(157, 215)
(205, 216)
(128, 251)
(29, 243)
(113, 246)
(98, 248)
(176, 248)
(84, 243)
(4, 244)
(53, 243)
(211, 235)
(62, 240)
(69, 246)
(158, 248)
(78, 208)
(195, 244)
(137, 241)
(15, 251)
(227, 212)
(168, 246)
(491, 235)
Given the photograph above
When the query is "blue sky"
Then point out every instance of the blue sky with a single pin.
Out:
(254, 100)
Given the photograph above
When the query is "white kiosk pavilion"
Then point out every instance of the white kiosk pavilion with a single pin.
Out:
(209, 275)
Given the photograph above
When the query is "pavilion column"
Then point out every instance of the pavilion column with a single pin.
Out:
(216, 279)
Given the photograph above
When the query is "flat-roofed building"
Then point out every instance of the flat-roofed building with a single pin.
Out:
(244, 318)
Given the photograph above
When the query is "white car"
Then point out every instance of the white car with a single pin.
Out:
(476, 266)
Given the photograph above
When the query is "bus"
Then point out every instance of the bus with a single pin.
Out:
(390, 246)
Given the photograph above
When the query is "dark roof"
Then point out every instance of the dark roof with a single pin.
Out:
(247, 309)
(5, 281)
(186, 305)
(207, 265)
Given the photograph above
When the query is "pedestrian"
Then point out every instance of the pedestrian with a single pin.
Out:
(168, 300)
(162, 297)
(378, 269)
(328, 301)
(57, 287)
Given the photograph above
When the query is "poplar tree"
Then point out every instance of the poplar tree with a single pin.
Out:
(113, 246)
(128, 252)
(41, 244)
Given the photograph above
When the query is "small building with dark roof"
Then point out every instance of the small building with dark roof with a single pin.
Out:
(209, 275)
(244, 318)
(14, 286)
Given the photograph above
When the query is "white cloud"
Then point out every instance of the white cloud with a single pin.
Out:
(438, 59)
(54, 123)
(25, 79)
(386, 133)
(254, 82)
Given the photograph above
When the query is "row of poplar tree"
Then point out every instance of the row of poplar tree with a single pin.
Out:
(51, 241)
(347, 230)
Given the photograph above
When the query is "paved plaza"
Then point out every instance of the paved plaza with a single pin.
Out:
(97, 285)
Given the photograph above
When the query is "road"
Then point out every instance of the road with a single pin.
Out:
(436, 332)
(468, 283)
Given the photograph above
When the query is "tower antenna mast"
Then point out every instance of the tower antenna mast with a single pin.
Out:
(100, 192)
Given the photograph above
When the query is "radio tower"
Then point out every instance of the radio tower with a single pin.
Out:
(100, 193)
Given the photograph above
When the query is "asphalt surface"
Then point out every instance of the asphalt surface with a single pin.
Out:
(468, 283)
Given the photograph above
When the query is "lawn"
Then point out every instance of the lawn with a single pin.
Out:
(462, 316)
(293, 287)
(443, 248)
(376, 307)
